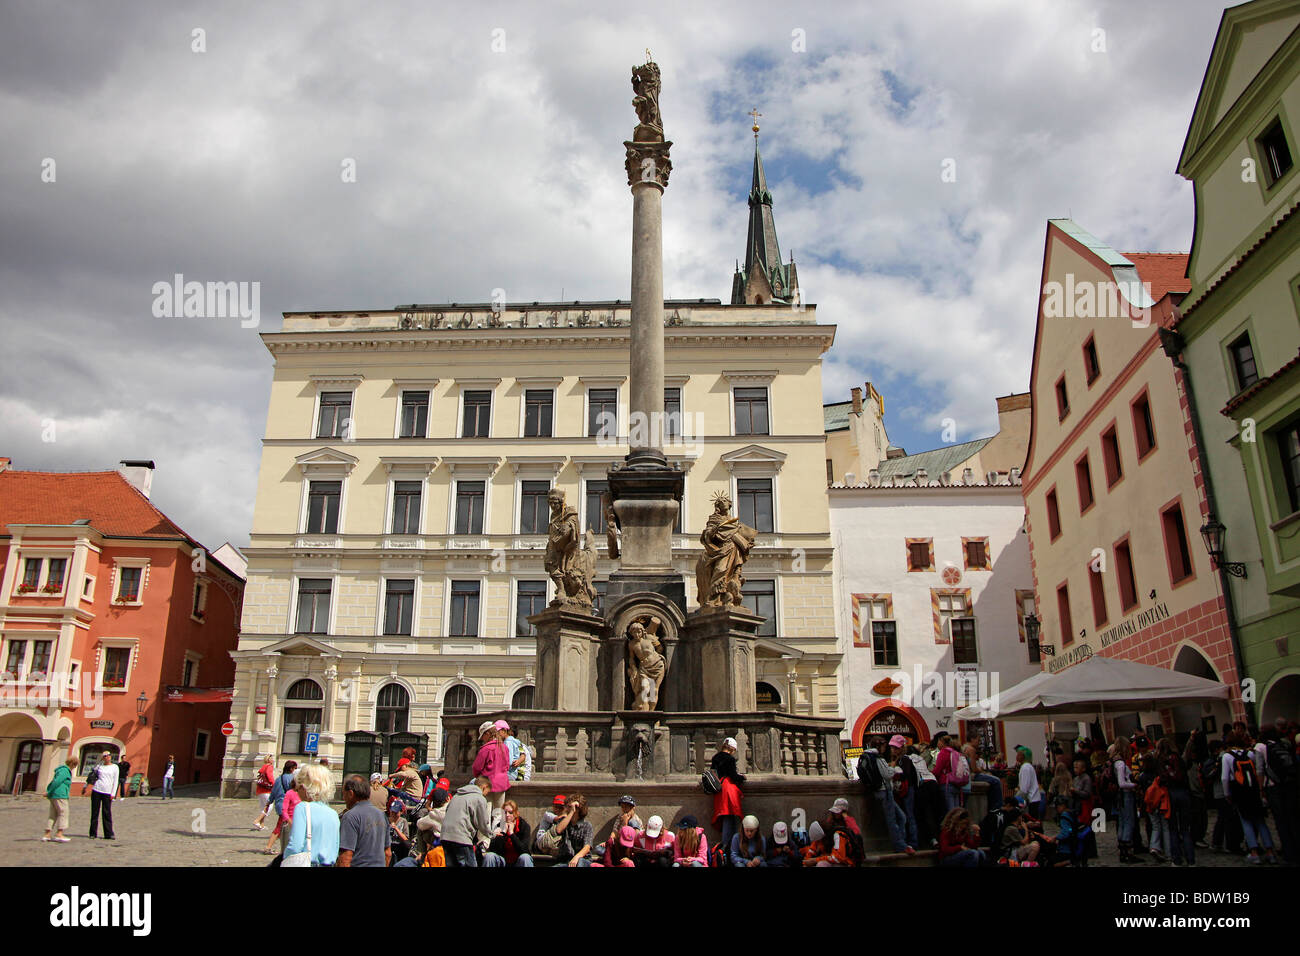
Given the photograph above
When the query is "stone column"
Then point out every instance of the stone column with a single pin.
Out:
(646, 391)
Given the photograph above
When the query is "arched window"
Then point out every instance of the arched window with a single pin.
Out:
(766, 696)
(301, 720)
(523, 698)
(460, 699)
(392, 709)
(90, 756)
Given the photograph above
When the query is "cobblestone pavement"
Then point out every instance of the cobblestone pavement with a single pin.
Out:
(198, 829)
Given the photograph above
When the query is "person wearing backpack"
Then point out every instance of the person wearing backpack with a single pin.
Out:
(1279, 765)
(1240, 778)
(728, 801)
(877, 778)
(1226, 836)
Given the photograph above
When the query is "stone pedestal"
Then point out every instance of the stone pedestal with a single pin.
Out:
(568, 642)
(718, 644)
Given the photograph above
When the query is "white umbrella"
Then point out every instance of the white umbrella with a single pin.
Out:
(1090, 688)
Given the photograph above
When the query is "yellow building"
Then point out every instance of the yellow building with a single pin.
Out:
(398, 537)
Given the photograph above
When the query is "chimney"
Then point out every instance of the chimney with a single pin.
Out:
(5, 463)
(857, 401)
(139, 473)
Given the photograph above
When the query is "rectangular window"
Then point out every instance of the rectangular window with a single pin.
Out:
(201, 738)
(1091, 367)
(1176, 549)
(471, 496)
(530, 598)
(116, 662)
(54, 576)
(335, 415)
(1083, 476)
(1274, 151)
(1289, 445)
(1128, 592)
(751, 411)
(976, 553)
(31, 573)
(478, 413)
(298, 723)
(539, 409)
(602, 413)
(406, 507)
(1110, 457)
(464, 609)
(1053, 516)
(1097, 583)
(830, 472)
(415, 415)
(920, 554)
(595, 506)
(1062, 399)
(399, 605)
(1063, 614)
(128, 584)
(754, 503)
(760, 598)
(884, 643)
(1243, 362)
(200, 599)
(1144, 429)
(672, 413)
(964, 648)
(187, 679)
(313, 606)
(15, 659)
(534, 512)
(323, 499)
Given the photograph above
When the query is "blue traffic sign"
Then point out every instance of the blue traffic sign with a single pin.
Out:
(312, 743)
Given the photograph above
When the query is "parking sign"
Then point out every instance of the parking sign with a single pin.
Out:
(310, 746)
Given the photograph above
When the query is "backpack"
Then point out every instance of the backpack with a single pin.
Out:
(1209, 773)
(991, 827)
(959, 769)
(857, 850)
(93, 777)
(1280, 762)
(869, 770)
(709, 781)
(1244, 785)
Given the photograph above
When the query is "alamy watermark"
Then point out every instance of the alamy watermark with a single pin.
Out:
(208, 300)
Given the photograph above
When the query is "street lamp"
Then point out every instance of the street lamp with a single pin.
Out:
(140, 703)
(1212, 534)
(1032, 628)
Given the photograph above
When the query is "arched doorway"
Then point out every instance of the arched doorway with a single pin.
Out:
(887, 717)
(392, 709)
(1191, 717)
(767, 697)
(28, 765)
(1281, 700)
(300, 716)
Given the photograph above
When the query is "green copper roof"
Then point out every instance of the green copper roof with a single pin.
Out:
(1103, 251)
(836, 416)
(762, 251)
(934, 462)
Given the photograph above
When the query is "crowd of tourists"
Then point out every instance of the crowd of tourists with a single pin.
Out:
(1156, 797)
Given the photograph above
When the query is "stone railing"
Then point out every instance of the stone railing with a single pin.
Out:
(655, 746)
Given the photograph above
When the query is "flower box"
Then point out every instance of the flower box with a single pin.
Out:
(26, 588)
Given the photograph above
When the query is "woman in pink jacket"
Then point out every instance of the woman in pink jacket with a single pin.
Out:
(691, 847)
(493, 762)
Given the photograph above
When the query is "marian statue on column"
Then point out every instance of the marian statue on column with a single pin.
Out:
(645, 83)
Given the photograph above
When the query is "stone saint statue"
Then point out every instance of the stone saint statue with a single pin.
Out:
(612, 528)
(570, 566)
(727, 544)
(645, 84)
(645, 665)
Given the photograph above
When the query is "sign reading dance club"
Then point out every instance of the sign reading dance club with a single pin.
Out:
(889, 722)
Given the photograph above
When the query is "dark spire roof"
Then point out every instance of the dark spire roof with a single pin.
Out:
(764, 278)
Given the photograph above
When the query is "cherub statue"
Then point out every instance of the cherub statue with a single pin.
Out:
(645, 665)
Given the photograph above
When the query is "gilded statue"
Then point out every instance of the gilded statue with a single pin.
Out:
(727, 544)
(645, 665)
(570, 565)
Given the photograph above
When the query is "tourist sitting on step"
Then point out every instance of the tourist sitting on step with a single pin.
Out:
(782, 849)
(826, 849)
(655, 847)
(618, 850)
(692, 846)
(748, 847)
(626, 817)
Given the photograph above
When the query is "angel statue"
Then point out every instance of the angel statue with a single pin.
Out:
(645, 665)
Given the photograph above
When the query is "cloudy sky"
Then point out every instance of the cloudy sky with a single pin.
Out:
(487, 142)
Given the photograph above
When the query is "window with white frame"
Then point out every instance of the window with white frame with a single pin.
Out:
(131, 575)
(471, 500)
(751, 410)
(879, 627)
(399, 605)
(539, 412)
(463, 620)
(415, 414)
(313, 606)
(476, 412)
(754, 503)
(190, 671)
(199, 607)
(534, 511)
(602, 413)
(334, 419)
(406, 507)
(15, 659)
(324, 499)
(116, 658)
(530, 598)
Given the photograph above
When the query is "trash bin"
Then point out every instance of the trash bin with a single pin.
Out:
(396, 743)
(363, 753)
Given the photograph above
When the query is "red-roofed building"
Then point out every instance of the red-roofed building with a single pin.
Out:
(105, 604)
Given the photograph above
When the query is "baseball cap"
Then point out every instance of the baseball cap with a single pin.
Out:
(731, 742)
(485, 727)
(654, 826)
(626, 836)
(626, 798)
(898, 740)
(376, 776)
(780, 833)
(839, 806)
(444, 783)
(559, 800)
(815, 832)
(501, 725)
(687, 822)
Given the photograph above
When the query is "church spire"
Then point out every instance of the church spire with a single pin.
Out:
(764, 278)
